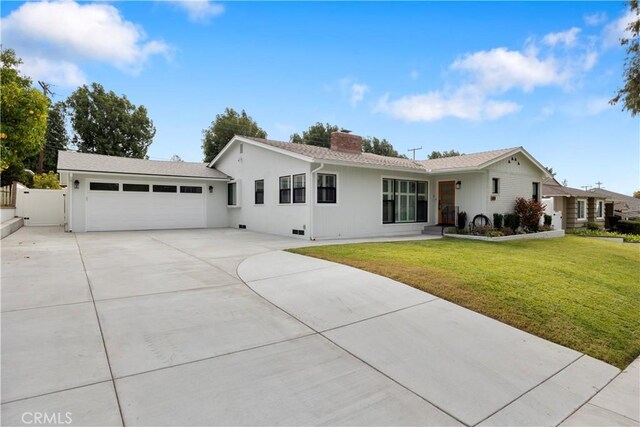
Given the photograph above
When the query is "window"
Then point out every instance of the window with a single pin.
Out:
(582, 210)
(299, 190)
(404, 201)
(165, 189)
(190, 189)
(600, 209)
(104, 186)
(285, 189)
(327, 188)
(232, 194)
(135, 187)
(259, 194)
(536, 191)
(495, 185)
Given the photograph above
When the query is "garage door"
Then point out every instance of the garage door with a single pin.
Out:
(148, 206)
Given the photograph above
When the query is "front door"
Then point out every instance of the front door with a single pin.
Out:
(447, 202)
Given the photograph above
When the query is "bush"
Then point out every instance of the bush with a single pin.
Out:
(462, 220)
(530, 211)
(507, 231)
(629, 238)
(481, 230)
(547, 219)
(494, 233)
(628, 227)
(497, 220)
(545, 227)
(592, 226)
(512, 221)
(47, 181)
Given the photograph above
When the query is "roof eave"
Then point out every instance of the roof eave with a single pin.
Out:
(93, 172)
(258, 144)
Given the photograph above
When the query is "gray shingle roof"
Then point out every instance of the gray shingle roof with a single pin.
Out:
(465, 161)
(86, 162)
(621, 202)
(549, 190)
(321, 153)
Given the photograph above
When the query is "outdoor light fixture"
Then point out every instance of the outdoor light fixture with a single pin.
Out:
(211, 189)
(76, 184)
(458, 185)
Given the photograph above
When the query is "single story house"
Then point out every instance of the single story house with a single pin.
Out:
(575, 207)
(621, 205)
(295, 190)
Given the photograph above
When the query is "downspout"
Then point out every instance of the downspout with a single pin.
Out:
(312, 201)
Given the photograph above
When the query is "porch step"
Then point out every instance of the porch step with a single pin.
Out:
(11, 226)
(432, 230)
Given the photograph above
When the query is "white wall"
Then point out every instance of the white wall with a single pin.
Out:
(256, 163)
(6, 214)
(470, 198)
(358, 211)
(516, 180)
(215, 202)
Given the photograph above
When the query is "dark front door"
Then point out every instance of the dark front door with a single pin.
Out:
(447, 202)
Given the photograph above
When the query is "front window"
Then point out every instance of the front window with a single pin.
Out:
(327, 188)
(259, 196)
(232, 194)
(600, 209)
(495, 185)
(285, 189)
(582, 209)
(404, 201)
(536, 191)
(299, 190)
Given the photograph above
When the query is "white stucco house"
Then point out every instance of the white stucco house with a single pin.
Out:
(294, 190)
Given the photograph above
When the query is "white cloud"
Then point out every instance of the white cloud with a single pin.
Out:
(567, 38)
(66, 32)
(357, 92)
(595, 19)
(59, 73)
(200, 10)
(617, 29)
(415, 74)
(597, 105)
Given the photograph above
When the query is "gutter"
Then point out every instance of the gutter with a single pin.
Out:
(312, 201)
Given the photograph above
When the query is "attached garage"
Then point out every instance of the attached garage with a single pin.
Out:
(114, 193)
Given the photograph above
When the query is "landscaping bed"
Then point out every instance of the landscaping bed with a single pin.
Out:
(525, 236)
(580, 293)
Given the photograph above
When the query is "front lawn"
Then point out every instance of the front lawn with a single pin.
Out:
(581, 293)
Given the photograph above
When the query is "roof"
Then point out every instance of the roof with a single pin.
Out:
(325, 154)
(467, 161)
(98, 163)
(621, 202)
(552, 188)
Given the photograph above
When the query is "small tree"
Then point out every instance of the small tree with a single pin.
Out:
(48, 181)
(530, 211)
(629, 94)
(318, 135)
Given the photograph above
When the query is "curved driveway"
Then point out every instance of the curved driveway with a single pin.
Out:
(220, 327)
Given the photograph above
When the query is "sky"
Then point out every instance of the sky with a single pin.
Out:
(469, 76)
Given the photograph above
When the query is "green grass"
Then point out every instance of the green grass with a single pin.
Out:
(580, 293)
(628, 238)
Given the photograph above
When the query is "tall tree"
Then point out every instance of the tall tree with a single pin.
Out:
(105, 123)
(551, 171)
(629, 95)
(382, 147)
(318, 135)
(224, 127)
(636, 194)
(56, 138)
(441, 154)
(23, 110)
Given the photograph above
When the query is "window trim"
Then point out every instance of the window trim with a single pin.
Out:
(235, 186)
(256, 192)
(537, 186)
(578, 217)
(598, 204)
(317, 198)
(304, 189)
(289, 189)
(495, 185)
(395, 180)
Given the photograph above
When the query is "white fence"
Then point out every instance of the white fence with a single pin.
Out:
(41, 207)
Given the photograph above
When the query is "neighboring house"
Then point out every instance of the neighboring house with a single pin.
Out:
(620, 205)
(294, 189)
(575, 207)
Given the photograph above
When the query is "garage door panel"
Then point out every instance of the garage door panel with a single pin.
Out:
(119, 210)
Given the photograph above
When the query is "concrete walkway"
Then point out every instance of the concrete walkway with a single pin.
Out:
(160, 328)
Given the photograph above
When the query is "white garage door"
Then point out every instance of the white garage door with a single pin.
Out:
(144, 206)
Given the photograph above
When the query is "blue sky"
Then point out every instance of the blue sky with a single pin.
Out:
(468, 76)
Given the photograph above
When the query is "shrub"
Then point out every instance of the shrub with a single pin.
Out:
(592, 226)
(545, 227)
(47, 181)
(547, 219)
(497, 220)
(628, 227)
(530, 211)
(462, 220)
(481, 230)
(493, 233)
(507, 231)
(629, 238)
(511, 221)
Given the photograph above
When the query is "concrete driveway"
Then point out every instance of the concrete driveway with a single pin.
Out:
(219, 327)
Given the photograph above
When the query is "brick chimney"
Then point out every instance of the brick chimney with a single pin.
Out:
(344, 141)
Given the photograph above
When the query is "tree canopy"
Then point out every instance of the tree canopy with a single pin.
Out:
(382, 147)
(105, 123)
(23, 109)
(636, 194)
(224, 127)
(441, 154)
(629, 94)
(56, 138)
(318, 135)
